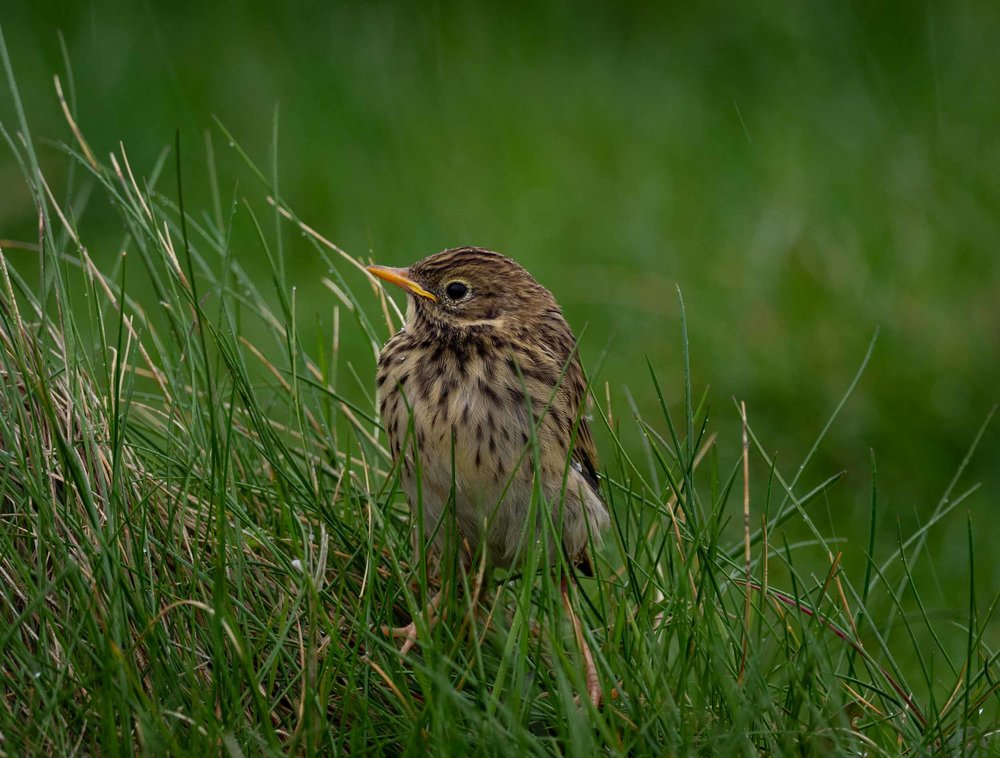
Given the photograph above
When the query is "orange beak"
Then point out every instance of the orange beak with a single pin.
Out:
(401, 278)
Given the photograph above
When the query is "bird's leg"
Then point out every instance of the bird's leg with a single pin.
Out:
(476, 585)
(409, 632)
(431, 616)
(590, 670)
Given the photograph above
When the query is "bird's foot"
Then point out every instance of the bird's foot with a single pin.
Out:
(409, 632)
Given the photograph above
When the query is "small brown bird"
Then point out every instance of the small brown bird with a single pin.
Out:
(484, 368)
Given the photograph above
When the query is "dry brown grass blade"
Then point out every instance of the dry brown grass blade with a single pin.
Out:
(77, 134)
(346, 256)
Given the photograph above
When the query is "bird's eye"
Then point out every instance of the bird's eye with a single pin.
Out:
(456, 290)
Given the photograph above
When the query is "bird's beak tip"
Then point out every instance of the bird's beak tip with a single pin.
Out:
(401, 278)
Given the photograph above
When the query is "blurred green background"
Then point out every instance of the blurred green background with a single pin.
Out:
(804, 172)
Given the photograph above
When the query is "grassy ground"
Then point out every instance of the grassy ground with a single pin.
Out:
(200, 532)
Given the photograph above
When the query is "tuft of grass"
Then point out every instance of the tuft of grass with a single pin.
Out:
(201, 535)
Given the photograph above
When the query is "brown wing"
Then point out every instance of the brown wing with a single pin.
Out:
(584, 451)
(547, 357)
(564, 369)
(585, 454)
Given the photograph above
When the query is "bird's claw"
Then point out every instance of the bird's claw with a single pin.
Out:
(408, 632)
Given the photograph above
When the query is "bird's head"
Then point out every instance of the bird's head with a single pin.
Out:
(470, 287)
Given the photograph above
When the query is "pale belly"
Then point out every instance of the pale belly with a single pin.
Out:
(472, 480)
